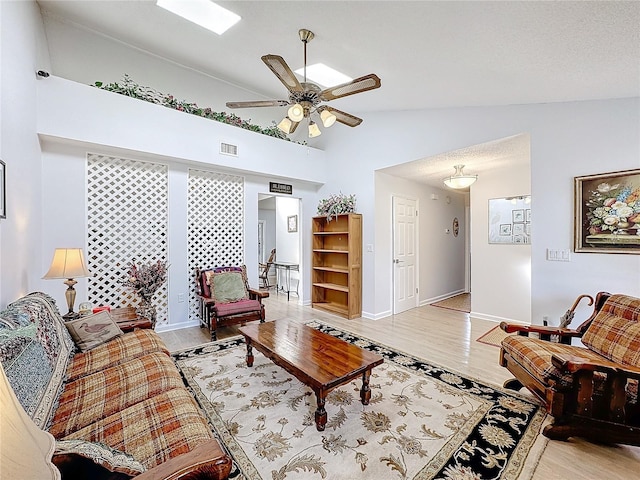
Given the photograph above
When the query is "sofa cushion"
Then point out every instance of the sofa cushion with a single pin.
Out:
(226, 309)
(615, 331)
(534, 355)
(35, 350)
(101, 454)
(106, 392)
(119, 350)
(152, 431)
(93, 330)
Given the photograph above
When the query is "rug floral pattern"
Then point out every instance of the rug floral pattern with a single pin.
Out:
(423, 422)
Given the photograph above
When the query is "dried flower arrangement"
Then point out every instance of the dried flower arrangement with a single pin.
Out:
(146, 278)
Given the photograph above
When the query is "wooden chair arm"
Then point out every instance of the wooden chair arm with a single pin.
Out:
(259, 294)
(540, 329)
(205, 462)
(574, 363)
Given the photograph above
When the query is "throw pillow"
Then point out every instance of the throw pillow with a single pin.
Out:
(89, 332)
(227, 287)
(101, 454)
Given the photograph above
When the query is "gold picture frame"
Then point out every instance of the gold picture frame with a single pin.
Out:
(607, 213)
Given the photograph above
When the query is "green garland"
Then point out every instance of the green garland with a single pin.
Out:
(131, 89)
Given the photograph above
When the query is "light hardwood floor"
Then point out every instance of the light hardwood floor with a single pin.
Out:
(448, 338)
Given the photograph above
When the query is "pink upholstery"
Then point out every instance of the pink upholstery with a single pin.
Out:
(242, 306)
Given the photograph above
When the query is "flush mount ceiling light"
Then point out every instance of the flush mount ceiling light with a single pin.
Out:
(460, 179)
(305, 97)
(202, 12)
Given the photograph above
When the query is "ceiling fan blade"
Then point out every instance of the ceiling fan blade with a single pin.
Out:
(362, 84)
(258, 103)
(344, 117)
(281, 70)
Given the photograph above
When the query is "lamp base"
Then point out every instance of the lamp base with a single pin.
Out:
(71, 316)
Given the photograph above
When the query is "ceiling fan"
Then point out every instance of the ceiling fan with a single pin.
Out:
(305, 97)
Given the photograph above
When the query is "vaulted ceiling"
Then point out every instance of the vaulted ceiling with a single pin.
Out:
(428, 54)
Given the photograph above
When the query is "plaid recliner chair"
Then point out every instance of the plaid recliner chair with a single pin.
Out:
(591, 392)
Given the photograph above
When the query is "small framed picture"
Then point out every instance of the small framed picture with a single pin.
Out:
(292, 223)
(518, 216)
(3, 190)
(505, 229)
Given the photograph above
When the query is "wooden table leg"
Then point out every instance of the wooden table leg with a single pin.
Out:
(365, 392)
(249, 352)
(321, 413)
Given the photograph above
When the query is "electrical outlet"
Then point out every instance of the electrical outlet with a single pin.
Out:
(369, 247)
(181, 298)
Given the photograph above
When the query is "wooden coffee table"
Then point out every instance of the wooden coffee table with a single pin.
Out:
(318, 360)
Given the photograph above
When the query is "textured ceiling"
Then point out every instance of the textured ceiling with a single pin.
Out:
(428, 54)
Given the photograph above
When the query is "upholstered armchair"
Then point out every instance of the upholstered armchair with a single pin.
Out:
(591, 390)
(226, 298)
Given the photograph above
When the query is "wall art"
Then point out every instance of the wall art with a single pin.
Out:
(607, 213)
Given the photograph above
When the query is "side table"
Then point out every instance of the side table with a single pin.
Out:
(128, 320)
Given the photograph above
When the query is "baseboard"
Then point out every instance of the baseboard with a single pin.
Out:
(494, 318)
(177, 326)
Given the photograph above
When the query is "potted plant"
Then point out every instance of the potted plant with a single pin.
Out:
(337, 204)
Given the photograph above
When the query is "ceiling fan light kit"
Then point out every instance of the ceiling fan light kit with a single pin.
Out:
(305, 97)
(328, 118)
(459, 179)
(296, 112)
(285, 125)
(314, 131)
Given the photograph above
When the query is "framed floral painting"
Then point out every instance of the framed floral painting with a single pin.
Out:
(607, 213)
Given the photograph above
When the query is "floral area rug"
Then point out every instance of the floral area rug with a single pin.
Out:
(423, 422)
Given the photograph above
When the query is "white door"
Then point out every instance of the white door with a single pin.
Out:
(405, 295)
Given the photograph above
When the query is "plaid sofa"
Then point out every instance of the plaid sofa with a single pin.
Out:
(126, 394)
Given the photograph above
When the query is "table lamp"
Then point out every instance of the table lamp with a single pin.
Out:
(68, 263)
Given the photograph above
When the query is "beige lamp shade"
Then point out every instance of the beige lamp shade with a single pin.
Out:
(25, 450)
(296, 112)
(314, 131)
(67, 263)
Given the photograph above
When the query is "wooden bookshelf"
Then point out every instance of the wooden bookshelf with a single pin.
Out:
(336, 264)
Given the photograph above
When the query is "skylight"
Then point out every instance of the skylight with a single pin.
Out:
(202, 12)
(325, 76)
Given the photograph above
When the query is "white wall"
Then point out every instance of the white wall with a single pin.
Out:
(440, 254)
(23, 52)
(567, 140)
(83, 56)
(500, 274)
(67, 137)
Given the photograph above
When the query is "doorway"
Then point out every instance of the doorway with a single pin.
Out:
(405, 273)
(279, 221)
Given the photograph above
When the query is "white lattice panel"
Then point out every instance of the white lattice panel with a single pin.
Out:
(127, 209)
(215, 224)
